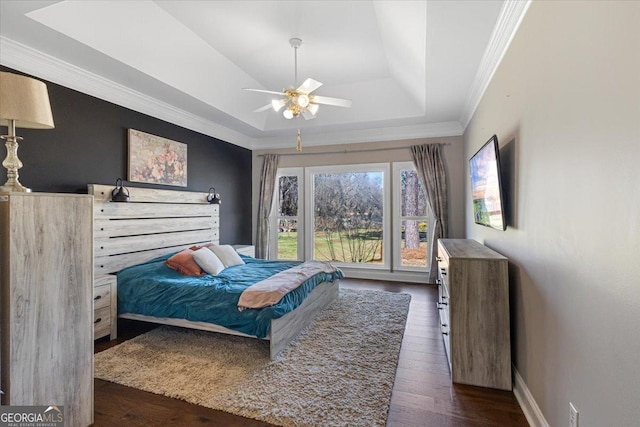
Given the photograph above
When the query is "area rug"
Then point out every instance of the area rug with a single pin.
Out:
(338, 372)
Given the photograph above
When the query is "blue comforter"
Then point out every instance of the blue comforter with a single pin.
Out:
(153, 289)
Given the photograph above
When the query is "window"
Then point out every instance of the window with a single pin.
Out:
(348, 220)
(287, 217)
(411, 219)
(347, 216)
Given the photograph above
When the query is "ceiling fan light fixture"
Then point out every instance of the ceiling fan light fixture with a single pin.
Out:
(302, 100)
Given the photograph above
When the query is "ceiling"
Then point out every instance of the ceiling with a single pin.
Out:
(412, 68)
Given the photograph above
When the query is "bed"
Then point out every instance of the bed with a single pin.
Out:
(155, 224)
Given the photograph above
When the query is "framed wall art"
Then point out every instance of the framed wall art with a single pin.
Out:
(156, 160)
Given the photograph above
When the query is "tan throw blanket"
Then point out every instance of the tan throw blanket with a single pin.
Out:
(270, 291)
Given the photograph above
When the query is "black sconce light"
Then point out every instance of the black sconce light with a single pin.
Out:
(120, 193)
(213, 197)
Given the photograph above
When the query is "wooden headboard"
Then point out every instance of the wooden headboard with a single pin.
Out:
(153, 223)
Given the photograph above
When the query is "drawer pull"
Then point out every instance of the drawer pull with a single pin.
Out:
(444, 325)
(443, 271)
(97, 298)
(438, 258)
(98, 320)
(444, 303)
(445, 333)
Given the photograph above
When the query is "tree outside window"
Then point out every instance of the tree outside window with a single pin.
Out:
(287, 216)
(412, 218)
(348, 218)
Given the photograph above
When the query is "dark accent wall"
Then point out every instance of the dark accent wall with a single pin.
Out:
(89, 145)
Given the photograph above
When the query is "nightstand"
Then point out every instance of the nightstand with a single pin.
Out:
(105, 306)
(248, 250)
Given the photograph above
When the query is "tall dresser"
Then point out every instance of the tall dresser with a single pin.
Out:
(46, 296)
(473, 301)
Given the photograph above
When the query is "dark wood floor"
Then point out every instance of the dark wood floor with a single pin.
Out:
(423, 394)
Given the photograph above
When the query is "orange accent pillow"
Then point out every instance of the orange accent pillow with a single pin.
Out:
(184, 263)
(196, 247)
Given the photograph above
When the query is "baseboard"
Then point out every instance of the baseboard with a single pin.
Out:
(528, 404)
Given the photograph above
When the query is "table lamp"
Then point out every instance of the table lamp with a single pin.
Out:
(24, 103)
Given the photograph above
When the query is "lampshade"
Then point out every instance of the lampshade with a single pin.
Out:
(24, 100)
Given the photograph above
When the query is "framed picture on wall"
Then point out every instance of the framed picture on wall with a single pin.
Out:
(156, 160)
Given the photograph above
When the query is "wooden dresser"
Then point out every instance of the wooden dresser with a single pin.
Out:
(473, 301)
(46, 274)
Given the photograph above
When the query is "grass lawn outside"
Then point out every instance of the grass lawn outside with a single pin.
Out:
(288, 250)
(288, 245)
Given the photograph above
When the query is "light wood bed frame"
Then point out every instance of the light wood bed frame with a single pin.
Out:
(158, 222)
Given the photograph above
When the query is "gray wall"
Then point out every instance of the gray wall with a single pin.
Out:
(565, 104)
(89, 145)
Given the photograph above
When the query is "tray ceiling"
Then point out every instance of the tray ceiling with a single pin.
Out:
(410, 67)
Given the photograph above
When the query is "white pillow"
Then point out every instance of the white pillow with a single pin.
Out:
(227, 255)
(208, 261)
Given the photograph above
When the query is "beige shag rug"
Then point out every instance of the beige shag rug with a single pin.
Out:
(339, 372)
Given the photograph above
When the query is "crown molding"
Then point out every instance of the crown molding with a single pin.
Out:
(373, 134)
(511, 15)
(31, 61)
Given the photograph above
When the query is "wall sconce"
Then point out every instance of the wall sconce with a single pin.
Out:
(24, 103)
(213, 197)
(120, 193)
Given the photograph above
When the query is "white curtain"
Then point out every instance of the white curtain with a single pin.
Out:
(267, 187)
(430, 166)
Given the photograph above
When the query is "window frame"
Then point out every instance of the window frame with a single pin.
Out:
(274, 217)
(309, 222)
(398, 167)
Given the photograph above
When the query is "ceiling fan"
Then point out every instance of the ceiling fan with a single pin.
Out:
(300, 101)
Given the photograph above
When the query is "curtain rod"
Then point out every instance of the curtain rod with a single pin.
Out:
(363, 150)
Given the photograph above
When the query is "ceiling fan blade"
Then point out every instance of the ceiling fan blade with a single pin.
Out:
(308, 115)
(327, 100)
(261, 109)
(313, 108)
(309, 86)
(264, 91)
(277, 104)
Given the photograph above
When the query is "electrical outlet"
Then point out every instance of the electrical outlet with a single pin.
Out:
(573, 415)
